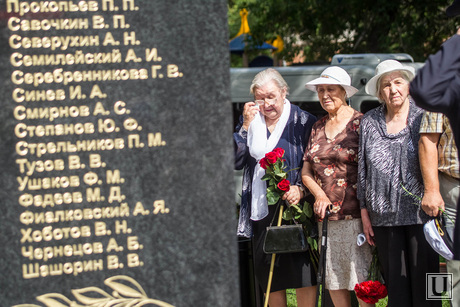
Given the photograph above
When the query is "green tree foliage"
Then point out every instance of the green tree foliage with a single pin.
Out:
(322, 28)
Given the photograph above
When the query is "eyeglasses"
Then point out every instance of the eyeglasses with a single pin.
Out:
(269, 101)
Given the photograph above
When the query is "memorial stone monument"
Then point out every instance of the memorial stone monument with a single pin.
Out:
(116, 154)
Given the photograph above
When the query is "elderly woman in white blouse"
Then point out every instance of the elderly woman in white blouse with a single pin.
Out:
(268, 122)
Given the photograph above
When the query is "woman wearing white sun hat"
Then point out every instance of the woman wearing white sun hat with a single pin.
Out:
(330, 172)
(389, 169)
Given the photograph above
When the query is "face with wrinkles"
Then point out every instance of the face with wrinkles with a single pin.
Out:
(331, 96)
(270, 99)
(394, 89)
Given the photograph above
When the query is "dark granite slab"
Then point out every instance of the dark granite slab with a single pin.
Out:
(116, 156)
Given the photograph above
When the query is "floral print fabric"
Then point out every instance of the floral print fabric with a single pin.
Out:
(335, 166)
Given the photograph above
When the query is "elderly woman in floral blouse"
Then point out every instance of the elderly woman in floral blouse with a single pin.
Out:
(330, 172)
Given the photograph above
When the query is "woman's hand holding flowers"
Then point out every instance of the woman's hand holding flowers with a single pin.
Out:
(293, 196)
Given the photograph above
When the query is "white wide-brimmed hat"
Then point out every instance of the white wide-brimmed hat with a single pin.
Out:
(437, 236)
(383, 68)
(333, 75)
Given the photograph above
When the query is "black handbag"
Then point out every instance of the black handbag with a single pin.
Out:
(285, 238)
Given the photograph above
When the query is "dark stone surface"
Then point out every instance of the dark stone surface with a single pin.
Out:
(187, 252)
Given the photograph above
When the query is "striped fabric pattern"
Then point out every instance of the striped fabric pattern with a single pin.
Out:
(387, 163)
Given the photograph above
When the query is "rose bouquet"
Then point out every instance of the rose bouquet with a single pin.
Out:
(277, 185)
(372, 290)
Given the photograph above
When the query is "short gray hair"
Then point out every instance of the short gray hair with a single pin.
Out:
(266, 76)
(404, 74)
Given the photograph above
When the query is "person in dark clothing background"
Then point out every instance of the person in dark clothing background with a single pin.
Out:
(437, 88)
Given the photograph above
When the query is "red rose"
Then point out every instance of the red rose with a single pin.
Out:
(264, 163)
(284, 185)
(271, 157)
(279, 152)
(370, 291)
(381, 290)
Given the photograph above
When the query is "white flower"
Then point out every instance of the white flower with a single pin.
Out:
(350, 152)
(335, 208)
(337, 147)
(316, 160)
(328, 171)
(341, 182)
(315, 148)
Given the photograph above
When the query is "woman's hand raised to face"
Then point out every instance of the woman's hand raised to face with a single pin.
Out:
(249, 112)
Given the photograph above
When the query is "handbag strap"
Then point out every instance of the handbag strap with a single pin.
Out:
(274, 215)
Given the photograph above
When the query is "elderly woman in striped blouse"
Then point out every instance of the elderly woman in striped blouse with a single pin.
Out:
(389, 181)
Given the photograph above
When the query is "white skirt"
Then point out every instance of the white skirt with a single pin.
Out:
(346, 263)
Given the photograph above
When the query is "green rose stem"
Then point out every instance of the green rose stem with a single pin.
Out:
(420, 199)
